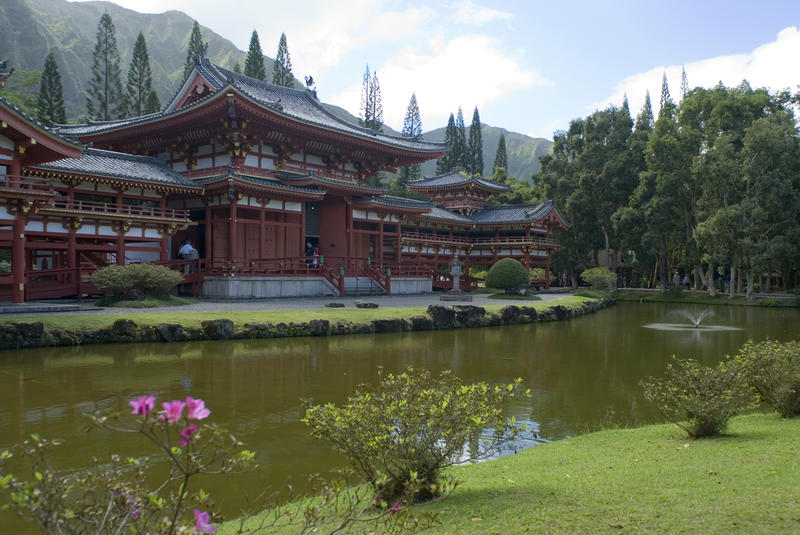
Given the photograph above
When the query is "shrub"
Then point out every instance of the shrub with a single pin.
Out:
(772, 369)
(412, 425)
(144, 279)
(600, 278)
(507, 274)
(5, 266)
(703, 397)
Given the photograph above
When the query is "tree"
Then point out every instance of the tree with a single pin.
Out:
(196, 48)
(153, 104)
(237, 68)
(20, 89)
(664, 94)
(447, 163)
(254, 63)
(500, 157)
(684, 84)
(475, 145)
(371, 102)
(140, 79)
(412, 127)
(50, 102)
(105, 100)
(282, 67)
(461, 156)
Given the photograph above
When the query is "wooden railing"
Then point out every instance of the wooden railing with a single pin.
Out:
(25, 184)
(129, 210)
(481, 241)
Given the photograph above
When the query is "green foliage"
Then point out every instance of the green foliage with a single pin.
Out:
(412, 127)
(448, 161)
(5, 266)
(153, 104)
(593, 294)
(196, 48)
(772, 369)
(411, 426)
(698, 399)
(501, 156)
(600, 278)
(50, 102)
(282, 67)
(254, 63)
(140, 80)
(507, 274)
(461, 155)
(475, 145)
(104, 98)
(20, 89)
(371, 102)
(147, 279)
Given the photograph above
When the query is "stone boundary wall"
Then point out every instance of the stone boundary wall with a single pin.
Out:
(439, 317)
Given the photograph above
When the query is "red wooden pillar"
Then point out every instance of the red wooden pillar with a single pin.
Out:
(379, 251)
(232, 231)
(262, 223)
(72, 246)
(399, 246)
(547, 271)
(349, 224)
(120, 247)
(18, 260)
(209, 230)
(163, 253)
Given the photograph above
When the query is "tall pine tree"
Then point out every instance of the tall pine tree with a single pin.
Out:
(254, 64)
(475, 145)
(105, 100)
(684, 83)
(412, 127)
(282, 68)
(50, 102)
(448, 161)
(371, 102)
(462, 156)
(140, 79)
(665, 97)
(500, 157)
(196, 48)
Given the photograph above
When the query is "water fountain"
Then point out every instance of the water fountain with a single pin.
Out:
(695, 323)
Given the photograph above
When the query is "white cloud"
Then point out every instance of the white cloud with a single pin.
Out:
(465, 71)
(772, 65)
(469, 13)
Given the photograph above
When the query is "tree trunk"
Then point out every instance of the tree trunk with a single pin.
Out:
(750, 296)
(732, 284)
(708, 280)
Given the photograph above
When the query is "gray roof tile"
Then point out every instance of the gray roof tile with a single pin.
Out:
(104, 163)
(455, 178)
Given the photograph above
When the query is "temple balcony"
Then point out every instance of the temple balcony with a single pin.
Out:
(25, 187)
(536, 242)
(115, 212)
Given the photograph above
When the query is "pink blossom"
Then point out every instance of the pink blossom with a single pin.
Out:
(202, 525)
(136, 513)
(395, 508)
(142, 405)
(197, 409)
(186, 434)
(173, 410)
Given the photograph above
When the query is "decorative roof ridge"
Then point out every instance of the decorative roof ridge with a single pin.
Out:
(37, 123)
(291, 175)
(394, 200)
(260, 180)
(127, 156)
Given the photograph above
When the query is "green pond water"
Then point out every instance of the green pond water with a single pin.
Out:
(583, 374)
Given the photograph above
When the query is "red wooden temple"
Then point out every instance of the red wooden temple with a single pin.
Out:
(250, 173)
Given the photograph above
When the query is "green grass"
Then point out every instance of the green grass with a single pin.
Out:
(647, 480)
(193, 319)
(511, 297)
(695, 298)
(148, 302)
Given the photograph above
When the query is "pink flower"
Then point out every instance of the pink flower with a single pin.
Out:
(136, 513)
(197, 409)
(173, 410)
(395, 508)
(142, 405)
(202, 524)
(186, 434)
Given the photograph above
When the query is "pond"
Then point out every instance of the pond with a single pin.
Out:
(583, 374)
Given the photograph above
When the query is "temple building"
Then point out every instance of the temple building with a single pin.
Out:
(253, 175)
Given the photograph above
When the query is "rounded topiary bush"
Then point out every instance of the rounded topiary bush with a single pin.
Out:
(600, 278)
(136, 279)
(507, 274)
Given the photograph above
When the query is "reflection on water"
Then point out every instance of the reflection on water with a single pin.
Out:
(689, 328)
(583, 373)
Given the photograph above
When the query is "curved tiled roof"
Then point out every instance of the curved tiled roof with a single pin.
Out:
(50, 130)
(258, 181)
(289, 176)
(104, 163)
(455, 178)
(390, 200)
(294, 104)
(446, 215)
(513, 213)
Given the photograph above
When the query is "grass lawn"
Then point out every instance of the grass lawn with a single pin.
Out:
(193, 319)
(147, 302)
(646, 480)
(699, 298)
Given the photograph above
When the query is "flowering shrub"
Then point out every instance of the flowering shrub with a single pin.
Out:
(705, 398)
(400, 434)
(111, 497)
(772, 369)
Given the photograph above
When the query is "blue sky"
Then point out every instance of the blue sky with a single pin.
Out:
(530, 66)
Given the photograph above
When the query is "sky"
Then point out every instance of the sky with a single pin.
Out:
(529, 66)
